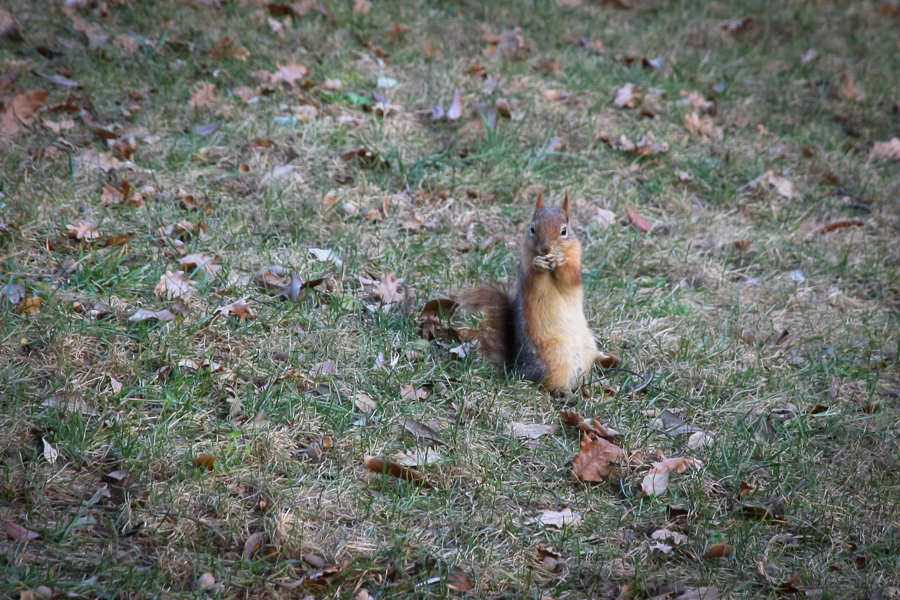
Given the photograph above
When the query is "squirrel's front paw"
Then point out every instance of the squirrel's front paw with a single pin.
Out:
(557, 260)
(542, 263)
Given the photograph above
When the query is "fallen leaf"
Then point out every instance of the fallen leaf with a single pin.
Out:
(9, 28)
(380, 465)
(21, 109)
(665, 534)
(291, 73)
(625, 97)
(59, 80)
(841, 224)
(228, 48)
(206, 581)
(203, 94)
(206, 130)
(50, 453)
(458, 581)
(597, 460)
(175, 285)
(200, 261)
(849, 90)
(531, 431)
(82, 230)
(656, 481)
(737, 25)
(556, 95)
(768, 180)
(420, 430)
(126, 43)
(718, 551)
(30, 305)
(361, 7)
(699, 439)
(703, 126)
(684, 176)
(549, 65)
(696, 101)
(417, 457)
(637, 219)
(559, 518)
(252, 544)
(387, 289)
(889, 150)
(205, 461)
(14, 292)
(456, 108)
(17, 532)
(239, 308)
(411, 393)
(364, 402)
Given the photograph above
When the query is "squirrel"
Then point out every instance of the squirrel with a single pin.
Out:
(538, 330)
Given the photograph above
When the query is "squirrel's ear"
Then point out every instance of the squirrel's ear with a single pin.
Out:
(565, 205)
(540, 201)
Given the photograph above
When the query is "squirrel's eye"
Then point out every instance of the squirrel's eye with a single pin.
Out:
(564, 231)
(532, 230)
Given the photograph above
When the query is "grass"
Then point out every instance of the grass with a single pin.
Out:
(796, 379)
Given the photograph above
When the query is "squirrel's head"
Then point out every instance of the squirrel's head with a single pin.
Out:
(549, 226)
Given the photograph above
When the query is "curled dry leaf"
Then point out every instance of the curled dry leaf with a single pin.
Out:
(408, 392)
(200, 261)
(175, 285)
(420, 430)
(82, 230)
(718, 551)
(597, 460)
(531, 431)
(625, 96)
(16, 532)
(387, 289)
(557, 518)
(381, 465)
(458, 581)
(252, 544)
(695, 100)
(239, 308)
(165, 315)
(841, 224)
(703, 126)
(665, 534)
(417, 457)
(21, 110)
(639, 221)
(606, 218)
(205, 461)
(656, 481)
(769, 181)
(203, 94)
(887, 150)
(30, 305)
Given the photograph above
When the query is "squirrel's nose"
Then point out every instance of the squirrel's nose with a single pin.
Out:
(545, 248)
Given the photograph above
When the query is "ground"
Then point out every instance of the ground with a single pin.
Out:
(734, 187)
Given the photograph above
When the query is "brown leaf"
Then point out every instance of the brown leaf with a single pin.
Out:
(411, 393)
(126, 43)
(849, 90)
(387, 289)
(607, 361)
(718, 551)
(696, 100)
(397, 31)
(21, 109)
(556, 95)
(15, 531)
(205, 461)
(549, 65)
(9, 28)
(889, 150)
(228, 48)
(239, 308)
(420, 430)
(361, 7)
(594, 461)
(166, 315)
(175, 285)
(703, 126)
(380, 465)
(769, 181)
(82, 230)
(202, 261)
(30, 305)
(417, 458)
(365, 403)
(291, 73)
(327, 367)
(637, 219)
(253, 543)
(458, 581)
(840, 224)
(203, 94)
(456, 108)
(269, 277)
(656, 481)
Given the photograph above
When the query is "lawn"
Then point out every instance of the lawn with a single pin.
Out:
(222, 223)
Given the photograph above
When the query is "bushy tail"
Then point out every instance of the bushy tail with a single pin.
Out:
(497, 340)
